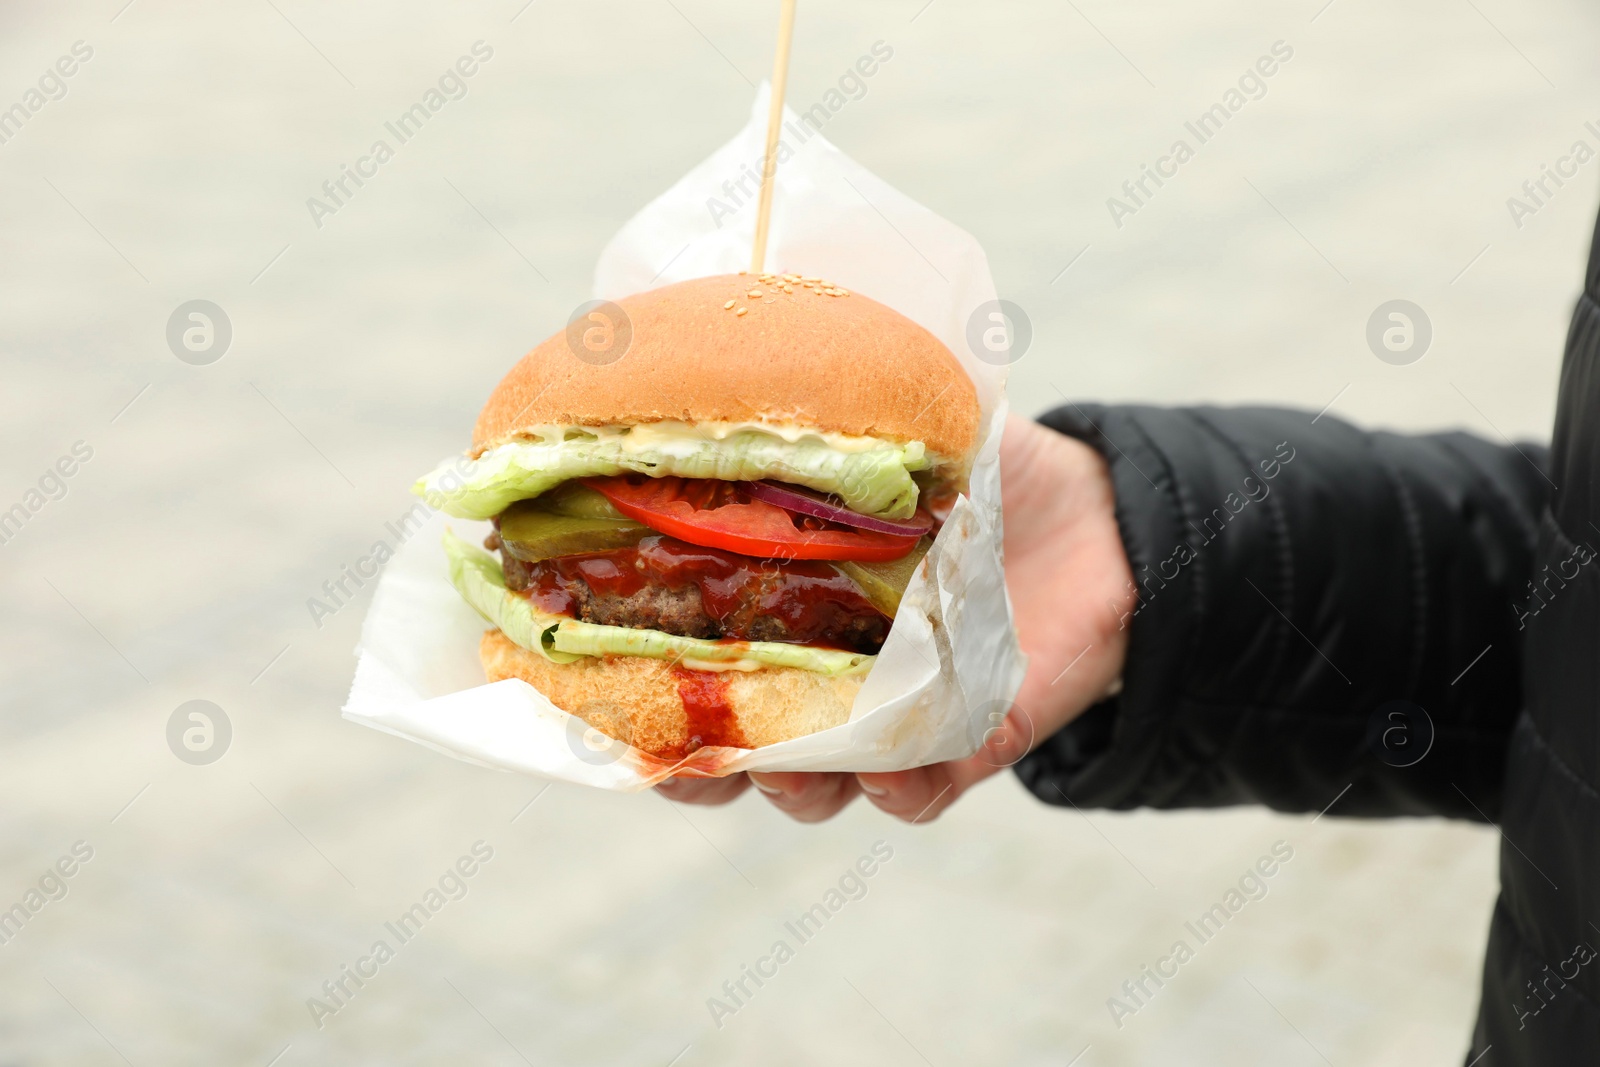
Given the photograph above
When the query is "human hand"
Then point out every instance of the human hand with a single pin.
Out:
(1070, 587)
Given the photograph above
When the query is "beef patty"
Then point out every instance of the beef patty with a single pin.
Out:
(678, 588)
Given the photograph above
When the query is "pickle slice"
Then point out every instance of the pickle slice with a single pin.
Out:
(578, 501)
(885, 583)
(531, 533)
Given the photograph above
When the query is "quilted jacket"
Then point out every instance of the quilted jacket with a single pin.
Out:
(1375, 624)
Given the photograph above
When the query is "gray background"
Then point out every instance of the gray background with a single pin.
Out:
(219, 498)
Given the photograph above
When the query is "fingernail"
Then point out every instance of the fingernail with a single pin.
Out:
(770, 790)
(872, 790)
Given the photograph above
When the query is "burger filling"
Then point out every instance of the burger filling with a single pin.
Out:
(713, 574)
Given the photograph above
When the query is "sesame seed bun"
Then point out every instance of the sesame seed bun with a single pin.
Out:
(638, 700)
(800, 351)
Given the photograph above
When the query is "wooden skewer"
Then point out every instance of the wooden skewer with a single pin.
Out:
(769, 168)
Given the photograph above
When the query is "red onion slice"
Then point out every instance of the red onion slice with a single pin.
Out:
(807, 502)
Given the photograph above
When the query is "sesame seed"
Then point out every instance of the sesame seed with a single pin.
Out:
(811, 278)
(754, 293)
(788, 288)
(727, 306)
(742, 311)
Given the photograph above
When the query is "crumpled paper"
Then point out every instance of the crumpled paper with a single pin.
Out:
(951, 665)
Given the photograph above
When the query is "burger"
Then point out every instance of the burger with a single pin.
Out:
(707, 501)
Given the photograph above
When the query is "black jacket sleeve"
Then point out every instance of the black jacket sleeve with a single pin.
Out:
(1295, 578)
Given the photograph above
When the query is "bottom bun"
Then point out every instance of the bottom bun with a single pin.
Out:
(669, 711)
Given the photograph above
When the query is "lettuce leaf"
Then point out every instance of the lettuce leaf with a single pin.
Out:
(871, 476)
(479, 579)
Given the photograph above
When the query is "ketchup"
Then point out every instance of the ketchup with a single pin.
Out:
(709, 719)
(550, 592)
(813, 602)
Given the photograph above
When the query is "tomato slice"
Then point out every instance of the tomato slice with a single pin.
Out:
(717, 514)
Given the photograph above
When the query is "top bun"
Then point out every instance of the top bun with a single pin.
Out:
(811, 355)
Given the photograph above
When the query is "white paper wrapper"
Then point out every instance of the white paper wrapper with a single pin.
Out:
(951, 665)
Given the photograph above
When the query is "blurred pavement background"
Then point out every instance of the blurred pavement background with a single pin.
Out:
(176, 564)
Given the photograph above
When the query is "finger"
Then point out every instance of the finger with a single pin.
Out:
(916, 796)
(1002, 747)
(807, 797)
(704, 790)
